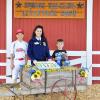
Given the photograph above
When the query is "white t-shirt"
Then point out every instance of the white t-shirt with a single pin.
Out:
(19, 49)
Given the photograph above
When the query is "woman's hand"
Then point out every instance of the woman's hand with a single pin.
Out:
(49, 59)
(34, 61)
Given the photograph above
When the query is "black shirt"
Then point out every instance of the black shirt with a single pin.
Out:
(58, 54)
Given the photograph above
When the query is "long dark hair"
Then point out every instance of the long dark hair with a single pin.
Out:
(34, 34)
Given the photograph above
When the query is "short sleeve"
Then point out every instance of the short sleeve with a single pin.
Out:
(26, 44)
(12, 48)
(65, 51)
(53, 55)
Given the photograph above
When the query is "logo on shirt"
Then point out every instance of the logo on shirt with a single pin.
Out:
(36, 43)
(44, 43)
(59, 55)
(40, 43)
(20, 50)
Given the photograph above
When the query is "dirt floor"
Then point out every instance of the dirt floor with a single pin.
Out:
(91, 93)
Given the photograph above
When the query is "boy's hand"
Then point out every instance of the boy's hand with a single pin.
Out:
(12, 66)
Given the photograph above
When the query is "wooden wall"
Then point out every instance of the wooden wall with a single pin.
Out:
(2, 36)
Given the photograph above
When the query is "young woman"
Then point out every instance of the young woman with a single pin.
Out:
(38, 47)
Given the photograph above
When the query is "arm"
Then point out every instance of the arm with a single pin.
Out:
(66, 55)
(12, 61)
(30, 51)
(12, 56)
(53, 56)
(47, 52)
(25, 59)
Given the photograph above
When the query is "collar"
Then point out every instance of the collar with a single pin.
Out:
(38, 38)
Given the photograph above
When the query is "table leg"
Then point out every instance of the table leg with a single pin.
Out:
(72, 78)
(45, 82)
(75, 79)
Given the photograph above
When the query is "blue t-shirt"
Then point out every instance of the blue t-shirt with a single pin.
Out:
(60, 57)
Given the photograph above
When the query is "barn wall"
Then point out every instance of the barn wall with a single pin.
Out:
(73, 31)
(96, 39)
(2, 37)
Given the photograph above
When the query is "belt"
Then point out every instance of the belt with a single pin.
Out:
(20, 59)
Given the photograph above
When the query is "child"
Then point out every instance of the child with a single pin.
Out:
(60, 55)
(38, 49)
(18, 53)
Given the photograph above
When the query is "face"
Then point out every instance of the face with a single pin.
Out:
(38, 32)
(60, 45)
(20, 36)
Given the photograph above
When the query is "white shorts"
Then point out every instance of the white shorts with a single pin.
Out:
(17, 71)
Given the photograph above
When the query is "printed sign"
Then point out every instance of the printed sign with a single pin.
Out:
(49, 9)
(47, 65)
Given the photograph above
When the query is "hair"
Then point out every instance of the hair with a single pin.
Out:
(60, 40)
(34, 34)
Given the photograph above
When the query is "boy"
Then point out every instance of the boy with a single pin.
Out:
(18, 53)
(60, 55)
